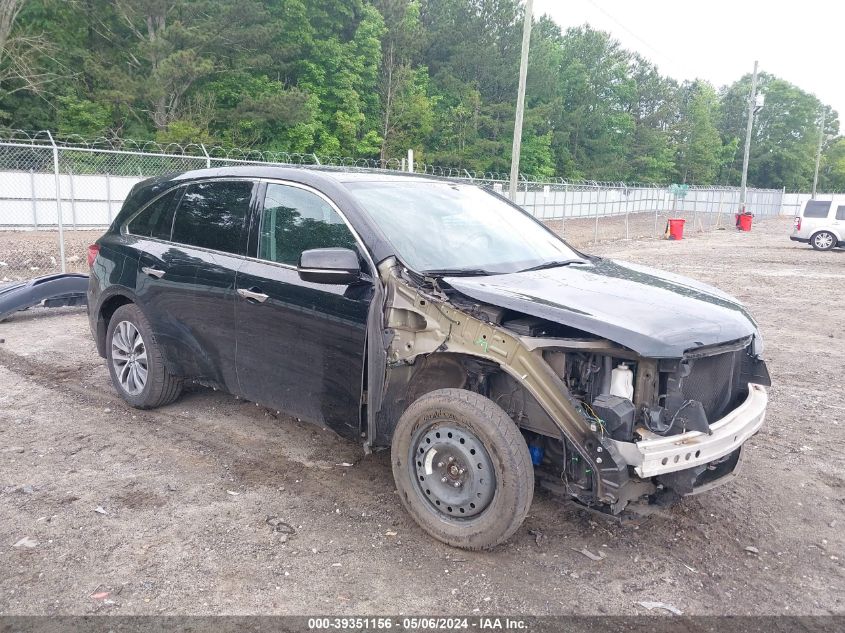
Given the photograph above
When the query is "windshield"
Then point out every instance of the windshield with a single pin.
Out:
(439, 226)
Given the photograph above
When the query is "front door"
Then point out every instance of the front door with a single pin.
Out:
(300, 345)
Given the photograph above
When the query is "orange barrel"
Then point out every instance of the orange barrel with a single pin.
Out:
(676, 228)
(743, 221)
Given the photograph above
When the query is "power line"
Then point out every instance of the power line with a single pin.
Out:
(660, 53)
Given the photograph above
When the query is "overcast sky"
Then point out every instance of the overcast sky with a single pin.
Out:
(718, 40)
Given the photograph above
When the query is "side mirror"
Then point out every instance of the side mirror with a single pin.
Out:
(338, 266)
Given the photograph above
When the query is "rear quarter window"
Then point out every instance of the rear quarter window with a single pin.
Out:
(840, 212)
(212, 215)
(817, 209)
(156, 220)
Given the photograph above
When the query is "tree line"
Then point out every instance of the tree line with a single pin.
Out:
(372, 78)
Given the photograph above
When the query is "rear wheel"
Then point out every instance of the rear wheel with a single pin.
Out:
(135, 361)
(823, 241)
(462, 468)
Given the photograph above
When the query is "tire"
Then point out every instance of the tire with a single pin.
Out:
(490, 464)
(823, 241)
(158, 386)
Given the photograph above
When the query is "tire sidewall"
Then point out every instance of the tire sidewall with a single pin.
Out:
(131, 313)
(508, 506)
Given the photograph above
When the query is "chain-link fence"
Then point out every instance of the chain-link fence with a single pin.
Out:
(57, 195)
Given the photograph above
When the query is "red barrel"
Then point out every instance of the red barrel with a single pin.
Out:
(743, 221)
(676, 228)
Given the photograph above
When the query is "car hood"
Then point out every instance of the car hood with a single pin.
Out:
(654, 313)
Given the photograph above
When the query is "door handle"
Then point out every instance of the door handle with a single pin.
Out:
(251, 295)
(153, 272)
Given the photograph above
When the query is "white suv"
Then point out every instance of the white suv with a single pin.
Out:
(822, 224)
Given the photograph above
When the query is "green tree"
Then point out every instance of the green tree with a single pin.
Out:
(832, 168)
(700, 146)
(785, 133)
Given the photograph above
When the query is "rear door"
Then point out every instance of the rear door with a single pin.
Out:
(300, 346)
(157, 267)
(207, 248)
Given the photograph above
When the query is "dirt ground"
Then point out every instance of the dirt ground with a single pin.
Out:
(176, 511)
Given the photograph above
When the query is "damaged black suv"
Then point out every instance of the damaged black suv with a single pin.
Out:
(439, 320)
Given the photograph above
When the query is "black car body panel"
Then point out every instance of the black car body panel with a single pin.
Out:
(302, 349)
(656, 314)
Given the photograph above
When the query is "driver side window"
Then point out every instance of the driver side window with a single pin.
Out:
(294, 220)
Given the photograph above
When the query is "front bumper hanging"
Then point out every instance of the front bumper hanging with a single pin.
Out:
(657, 455)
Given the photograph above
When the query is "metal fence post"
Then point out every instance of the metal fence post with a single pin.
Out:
(563, 213)
(695, 210)
(58, 201)
(598, 202)
(656, 204)
(108, 196)
(719, 208)
(208, 158)
(627, 228)
(72, 200)
(34, 199)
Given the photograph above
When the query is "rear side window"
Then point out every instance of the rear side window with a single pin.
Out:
(157, 219)
(294, 220)
(817, 208)
(212, 215)
(840, 212)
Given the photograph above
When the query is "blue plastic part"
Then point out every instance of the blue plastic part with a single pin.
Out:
(536, 454)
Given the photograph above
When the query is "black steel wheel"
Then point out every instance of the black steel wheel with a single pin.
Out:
(462, 468)
(454, 470)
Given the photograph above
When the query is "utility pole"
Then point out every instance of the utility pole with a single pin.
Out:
(818, 155)
(520, 99)
(752, 102)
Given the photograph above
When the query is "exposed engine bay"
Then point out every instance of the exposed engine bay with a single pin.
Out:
(604, 425)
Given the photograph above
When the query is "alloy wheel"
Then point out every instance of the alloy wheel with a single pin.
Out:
(129, 358)
(823, 241)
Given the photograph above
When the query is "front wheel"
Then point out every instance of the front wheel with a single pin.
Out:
(823, 241)
(462, 469)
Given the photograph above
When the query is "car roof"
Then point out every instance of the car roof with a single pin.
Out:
(308, 173)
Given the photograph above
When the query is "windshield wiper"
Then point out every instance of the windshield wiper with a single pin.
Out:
(553, 264)
(457, 272)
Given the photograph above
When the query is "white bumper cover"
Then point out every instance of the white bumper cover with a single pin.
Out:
(657, 455)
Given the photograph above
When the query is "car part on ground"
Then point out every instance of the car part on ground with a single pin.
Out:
(52, 291)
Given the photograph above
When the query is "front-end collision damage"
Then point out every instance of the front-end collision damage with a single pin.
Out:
(554, 382)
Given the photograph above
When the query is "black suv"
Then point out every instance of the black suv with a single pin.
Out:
(435, 318)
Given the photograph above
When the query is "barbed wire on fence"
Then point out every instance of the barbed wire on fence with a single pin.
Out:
(52, 183)
(47, 139)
